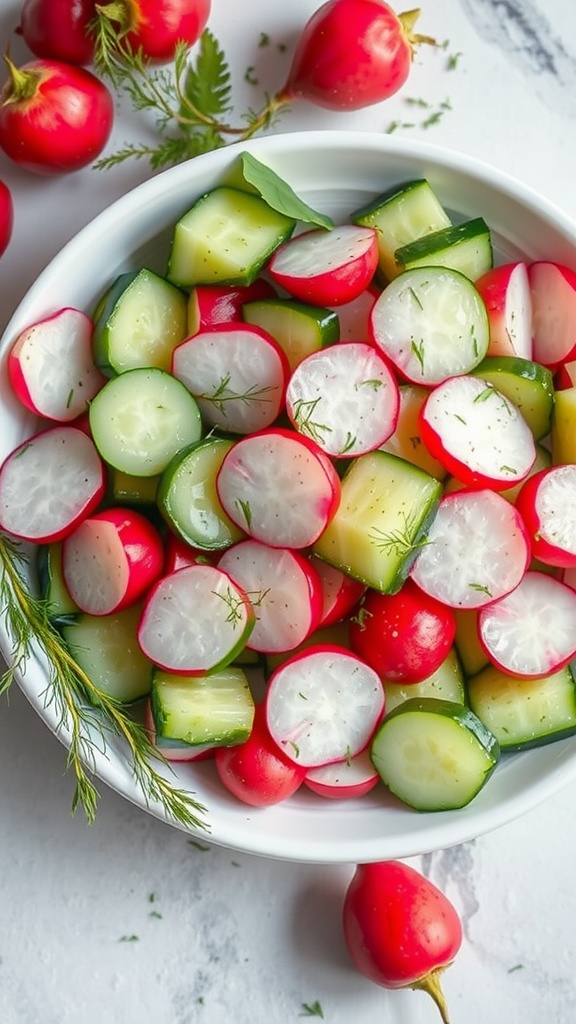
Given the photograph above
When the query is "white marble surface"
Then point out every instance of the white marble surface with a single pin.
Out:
(127, 920)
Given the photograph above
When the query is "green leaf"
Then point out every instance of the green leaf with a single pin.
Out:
(279, 194)
(206, 84)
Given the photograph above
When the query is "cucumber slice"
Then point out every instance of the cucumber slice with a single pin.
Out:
(142, 319)
(140, 419)
(188, 500)
(524, 712)
(434, 755)
(447, 683)
(402, 215)
(467, 642)
(385, 508)
(225, 238)
(215, 709)
(464, 247)
(125, 489)
(299, 329)
(53, 590)
(106, 648)
(528, 385)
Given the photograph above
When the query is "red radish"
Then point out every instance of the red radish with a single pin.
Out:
(345, 398)
(210, 304)
(351, 54)
(178, 554)
(553, 291)
(565, 376)
(57, 29)
(431, 323)
(400, 930)
(279, 487)
(54, 118)
(340, 593)
(284, 588)
(49, 484)
(506, 292)
(531, 631)
(478, 434)
(547, 503)
(195, 620)
(323, 705)
(51, 368)
(405, 636)
(345, 780)
(6, 216)
(477, 550)
(256, 771)
(174, 750)
(354, 316)
(111, 559)
(156, 27)
(327, 268)
(237, 373)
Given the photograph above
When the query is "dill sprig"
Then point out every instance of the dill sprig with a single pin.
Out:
(190, 100)
(86, 714)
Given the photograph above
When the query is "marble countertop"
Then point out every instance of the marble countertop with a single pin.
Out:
(130, 920)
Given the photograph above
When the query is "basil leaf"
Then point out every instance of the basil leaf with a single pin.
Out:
(279, 194)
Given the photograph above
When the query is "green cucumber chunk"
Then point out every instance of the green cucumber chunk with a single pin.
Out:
(141, 320)
(385, 508)
(125, 489)
(140, 419)
(217, 709)
(401, 215)
(106, 648)
(447, 683)
(528, 385)
(465, 247)
(299, 329)
(226, 238)
(53, 589)
(434, 755)
(527, 712)
(188, 500)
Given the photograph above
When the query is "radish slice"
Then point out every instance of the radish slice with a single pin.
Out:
(237, 373)
(111, 559)
(323, 705)
(345, 780)
(51, 368)
(345, 398)
(210, 304)
(284, 588)
(547, 503)
(327, 268)
(195, 620)
(49, 484)
(354, 316)
(553, 290)
(479, 435)
(506, 292)
(476, 550)
(279, 487)
(340, 593)
(431, 323)
(532, 631)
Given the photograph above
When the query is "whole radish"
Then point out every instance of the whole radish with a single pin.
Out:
(57, 29)
(6, 216)
(351, 54)
(400, 929)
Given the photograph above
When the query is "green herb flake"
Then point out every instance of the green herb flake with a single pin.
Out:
(202, 847)
(129, 938)
(312, 1010)
(264, 39)
(279, 194)
(249, 75)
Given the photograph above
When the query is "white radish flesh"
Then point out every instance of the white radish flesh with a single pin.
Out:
(553, 290)
(345, 398)
(476, 550)
(329, 268)
(477, 433)
(531, 631)
(323, 706)
(506, 292)
(344, 780)
(49, 483)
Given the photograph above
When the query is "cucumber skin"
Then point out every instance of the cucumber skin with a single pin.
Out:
(535, 741)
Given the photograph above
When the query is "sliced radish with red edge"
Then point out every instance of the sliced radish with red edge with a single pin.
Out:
(345, 780)
(547, 503)
(327, 268)
(553, 291)
(340, 593)
(506, 293)
(210, 304)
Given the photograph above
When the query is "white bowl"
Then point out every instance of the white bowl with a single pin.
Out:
(336, 172)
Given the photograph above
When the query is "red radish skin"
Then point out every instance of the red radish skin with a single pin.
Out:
(6, 217)
(553, 292)
(401, 931)
(506, 293)
(54, 118)
(111, 560)
(347, 780)
(157, 26)
(405, 636)
(256, 772)
(565, 376)
(57, 29)
(51, 368)
(340, 593)
(547, 504)
(352, 54)
(216, 304)
(327, 268)
(49, 483)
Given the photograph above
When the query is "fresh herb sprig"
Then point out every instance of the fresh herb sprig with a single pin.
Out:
(190, 101)
(84, 712)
